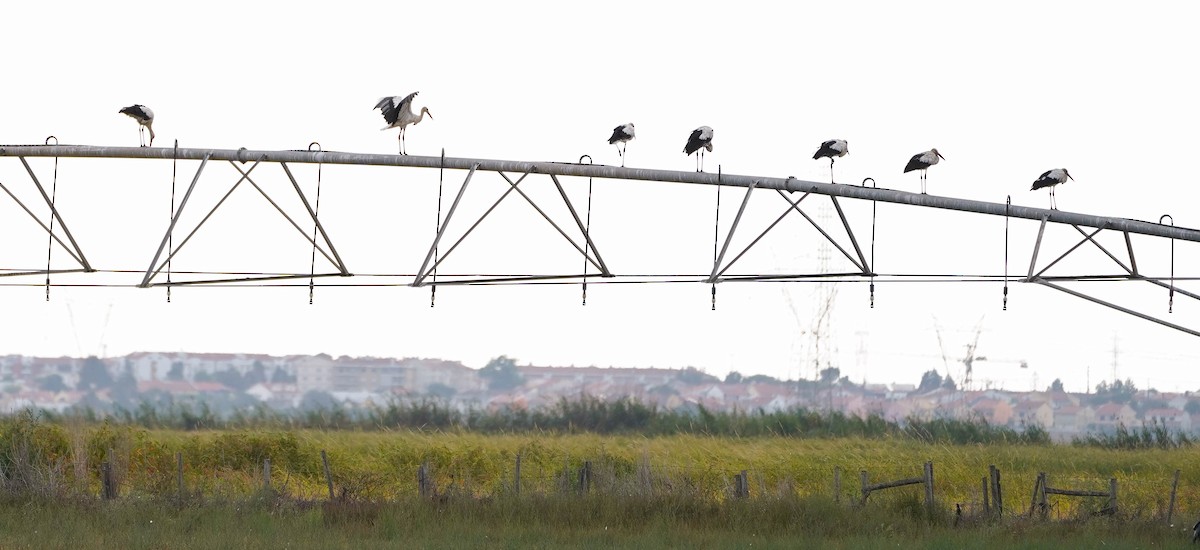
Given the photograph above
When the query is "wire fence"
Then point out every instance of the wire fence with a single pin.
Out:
(139, 472)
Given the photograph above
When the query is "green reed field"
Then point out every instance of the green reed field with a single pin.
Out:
(662, 491)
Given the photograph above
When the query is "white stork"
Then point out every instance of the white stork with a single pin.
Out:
(621, 136)
(398, 113)
(922, 162)
(145, 119)
(701, 138)
(1050, 178)
(832, 149)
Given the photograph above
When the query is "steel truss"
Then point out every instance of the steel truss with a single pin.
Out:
(73, 250)
(331, 255)
(590, 254)
(426, 275)
(1131, 274)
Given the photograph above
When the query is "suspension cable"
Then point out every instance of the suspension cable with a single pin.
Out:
(587, 228)
(1007, 207)
(716, 235)
(873, 271)
(1171, 290)
(437, 227)
(171, 235)
(53, 199)
(312, 266)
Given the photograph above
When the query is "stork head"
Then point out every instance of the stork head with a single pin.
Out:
(935, 151)
(1068, 174)
(425, 111)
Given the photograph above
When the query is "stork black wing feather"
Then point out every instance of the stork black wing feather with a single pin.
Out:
(619, 134)
(693, 143)
(392, 108)
(387, 105)
(915, 163)
(1044, 181)
(826, 150)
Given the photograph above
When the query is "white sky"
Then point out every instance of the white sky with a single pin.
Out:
(1107, 90)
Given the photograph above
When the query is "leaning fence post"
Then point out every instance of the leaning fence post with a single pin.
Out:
(866, 491)
(328, 476)
(1171, 506)
(1037, 482)
(267, 474)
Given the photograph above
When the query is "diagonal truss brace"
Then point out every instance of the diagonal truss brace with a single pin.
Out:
(1131, 274)
(73, 250)
(331, 255)
(593, 257)
(793, 206)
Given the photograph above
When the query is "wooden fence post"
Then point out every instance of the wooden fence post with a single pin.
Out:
(987, 510)
(585, 477)
(267, 474)
(1112, 496)
(1044, 508)
(1037, 482)
(645, 474)
(866, 491)
(423, 480)
(741, 487)
(837, 485)
(328, 476)
(517, 476)
(108, 490)
(179, 474)
(108, 480)
(1171, 506)
(997, 492)
(929, 485)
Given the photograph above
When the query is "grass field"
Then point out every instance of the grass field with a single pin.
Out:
(645, 491)
(536, 522)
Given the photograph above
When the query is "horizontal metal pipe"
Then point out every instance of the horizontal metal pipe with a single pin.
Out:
(612, 172)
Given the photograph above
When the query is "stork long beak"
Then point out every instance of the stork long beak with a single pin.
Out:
(940, 156)
(1069, 177)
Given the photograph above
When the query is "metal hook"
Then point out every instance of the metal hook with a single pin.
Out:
(1171, 291)
(589, 157)
(51, 138)
(864, 182)
(310, 146)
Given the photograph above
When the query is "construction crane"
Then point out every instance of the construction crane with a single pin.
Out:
(969, 358)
